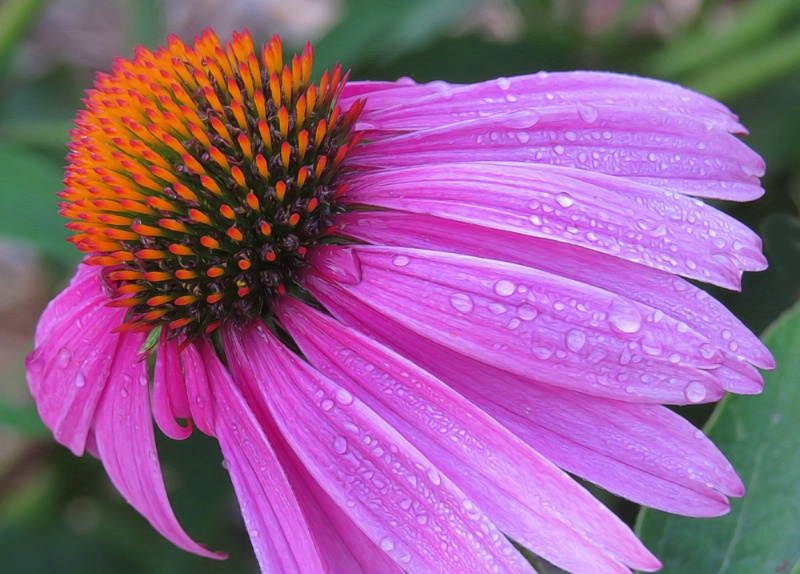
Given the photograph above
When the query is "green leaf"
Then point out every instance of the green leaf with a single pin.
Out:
(381, 31)
(761, 437)
(755, 23)
(28, 202)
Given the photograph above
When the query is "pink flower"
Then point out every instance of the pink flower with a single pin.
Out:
(403, 310)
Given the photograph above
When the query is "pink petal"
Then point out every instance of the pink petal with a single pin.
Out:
(572, 530)
(671, 295)
(655, 133)
(407, 106)
(395, 495)
(646, 225)
(198, 389)
(278, 530)
(643, 452)
(169, 391)
(341, 545)
(560, 332)
(69, 366)
(625, 461)
(123, 431)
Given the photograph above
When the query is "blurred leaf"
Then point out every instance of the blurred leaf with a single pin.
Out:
(23, 419)
(755, 22)
(758, 66)
(380, 31)
(28, 202)
(15, 17)
(761, 436)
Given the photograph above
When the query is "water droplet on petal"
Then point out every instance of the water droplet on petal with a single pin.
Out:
(575, 340)
(387, 545)
(401, 261)
(695, 392)
(587, 113)
(326, 405)
(504, 288)
(461, 302)
(527, 313)
(63, 359)
(625, 317)
(340, 445)
(343, 396)
(433, 476)
(564, 200)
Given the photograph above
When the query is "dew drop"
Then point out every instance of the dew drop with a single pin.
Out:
(80, 379)
(433, 476)
(343, 396)
(575, 340)
(564, 200)
(624, 317)
(503, 83)
(326, 405)
(387, 545)
(527, 313)
(497, 308)
(401, 261)
(340, 445)
(504, 288)
(461, 302)
(64, 358)
(695, 392)
(587, 113)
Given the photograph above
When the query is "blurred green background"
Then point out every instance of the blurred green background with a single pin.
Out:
(60, 514)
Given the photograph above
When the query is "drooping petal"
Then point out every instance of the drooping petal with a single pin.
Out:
(308, 529)
(198, 389)
(562, 333)
(643, 224)
(68, 368)
(123, 432)
(506, 478)
(608, 452)
(396, 495)
(278, 530)
(671, 295)
(169, 391)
